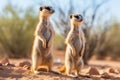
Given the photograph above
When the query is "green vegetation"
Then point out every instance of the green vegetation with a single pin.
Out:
(112, 42)
(16, 33)
(59, 42)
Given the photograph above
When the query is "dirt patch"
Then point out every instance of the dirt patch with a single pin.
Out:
(19, 69)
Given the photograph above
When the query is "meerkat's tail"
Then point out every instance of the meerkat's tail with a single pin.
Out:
(62, 69)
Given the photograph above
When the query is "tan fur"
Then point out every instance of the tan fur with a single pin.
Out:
(43, 42)
(75, 42)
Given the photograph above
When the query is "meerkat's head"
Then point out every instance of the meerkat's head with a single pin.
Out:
(46, 11)
(76, 19)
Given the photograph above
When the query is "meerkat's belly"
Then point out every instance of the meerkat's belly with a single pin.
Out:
(77, 43)
(46, 33)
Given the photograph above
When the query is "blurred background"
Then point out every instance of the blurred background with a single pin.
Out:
(18, 20)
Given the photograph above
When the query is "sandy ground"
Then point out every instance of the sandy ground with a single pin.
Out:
(18, 69)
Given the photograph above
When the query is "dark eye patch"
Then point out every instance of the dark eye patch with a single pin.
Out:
(41, 8)
(70, 16)
(48, 8)
(77, 17)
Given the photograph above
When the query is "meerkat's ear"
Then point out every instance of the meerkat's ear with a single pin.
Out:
(40, 8)
(70, 16)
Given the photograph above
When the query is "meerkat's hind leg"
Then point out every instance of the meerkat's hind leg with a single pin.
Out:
(77, 71)
(79, 66)
(35, 67)
(49, 62)
(68, 65)
(50, 67)
(68, 70)
(35, 63)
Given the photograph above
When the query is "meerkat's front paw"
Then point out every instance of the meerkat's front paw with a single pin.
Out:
(73, 52)
(44, 43)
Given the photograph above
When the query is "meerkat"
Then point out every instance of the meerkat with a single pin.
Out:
(75, 42)
(42, 52)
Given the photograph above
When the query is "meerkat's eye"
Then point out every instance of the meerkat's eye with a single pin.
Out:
(41, 8)
(70, 16)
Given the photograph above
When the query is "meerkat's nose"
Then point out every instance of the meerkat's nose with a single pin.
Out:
(53, 11)
(80, 17)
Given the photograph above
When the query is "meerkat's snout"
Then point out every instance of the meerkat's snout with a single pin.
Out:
(52, 11)
(80, 17)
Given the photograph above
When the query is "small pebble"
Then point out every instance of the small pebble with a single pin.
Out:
(93, 71)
